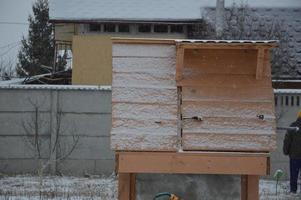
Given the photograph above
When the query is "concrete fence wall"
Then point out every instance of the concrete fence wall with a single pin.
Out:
(85, 113)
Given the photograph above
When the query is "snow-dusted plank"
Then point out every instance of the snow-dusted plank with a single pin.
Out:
(227, 93)
(229, 125)
(227, 109)
(144, 111)
(144, 64)
(229, 142)
(144, 50)
(144, 142)
(192, 77)
(143, 78)
(144, 127)
(157, 95)
(220, 61)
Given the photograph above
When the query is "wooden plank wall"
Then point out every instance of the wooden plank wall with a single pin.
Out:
(222, 88)
(144, 98)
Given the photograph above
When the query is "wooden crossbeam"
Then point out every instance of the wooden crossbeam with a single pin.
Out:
(193, 163)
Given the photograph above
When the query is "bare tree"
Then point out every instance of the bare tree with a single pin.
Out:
(7, 70)
(241, 23)
(36, 137)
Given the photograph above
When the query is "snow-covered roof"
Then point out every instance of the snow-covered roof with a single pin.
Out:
(126, 10)
(145, 10)
(287, 91)
(229, 41)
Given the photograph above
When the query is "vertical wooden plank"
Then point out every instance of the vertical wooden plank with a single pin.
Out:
(133, 187)
(249, 187)
(124, 186)
(267, 64)
(179, 62)
(243, 187)
(260, 63)
(253, 187)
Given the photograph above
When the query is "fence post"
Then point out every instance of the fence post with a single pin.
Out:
(53, 130)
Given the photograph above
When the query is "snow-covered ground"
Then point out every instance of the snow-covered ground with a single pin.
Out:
(58, 188)
(96, 188)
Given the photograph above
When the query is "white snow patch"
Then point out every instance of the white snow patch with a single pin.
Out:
(98, 188)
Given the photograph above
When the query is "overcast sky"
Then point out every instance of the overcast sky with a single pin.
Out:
(14, 14)
(13, 24)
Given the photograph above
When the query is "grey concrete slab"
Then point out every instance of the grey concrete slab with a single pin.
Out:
(86, 124)
(24, 100)
(209, 187)
(20, 123)
(106, 167)
(85, 101)
(76, 167)
(12, 147)
(19, 166)
(88, 147)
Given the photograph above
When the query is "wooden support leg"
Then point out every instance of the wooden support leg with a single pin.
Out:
(126, 186)
(249, 187)
(133, 187)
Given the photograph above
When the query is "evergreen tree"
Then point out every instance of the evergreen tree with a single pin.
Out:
(37, 50)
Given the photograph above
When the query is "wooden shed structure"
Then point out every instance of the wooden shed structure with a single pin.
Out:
(195, 103)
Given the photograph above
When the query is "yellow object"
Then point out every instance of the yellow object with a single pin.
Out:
(174, 197)
(92, 60)
(299, 114)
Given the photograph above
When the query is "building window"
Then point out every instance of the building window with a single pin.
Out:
(124, 28)
(176, 29)
(109, 28)
(144, 28)
(160, 28)
(94, 27)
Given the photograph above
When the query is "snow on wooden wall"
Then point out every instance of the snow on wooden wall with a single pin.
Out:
(144, 98)
(151, 111)
(220, 86)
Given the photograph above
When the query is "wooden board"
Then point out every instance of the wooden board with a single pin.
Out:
(144, 111)
(193, 163)
(247, 94)
(229, 125)
(138, 79)
(144, 142)
(223, 141)
(144, 50)
(144, 126)
(150, 95)
(194, 77)
(232, 109)
(220, 61)
(144, 64)
(143, 71)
